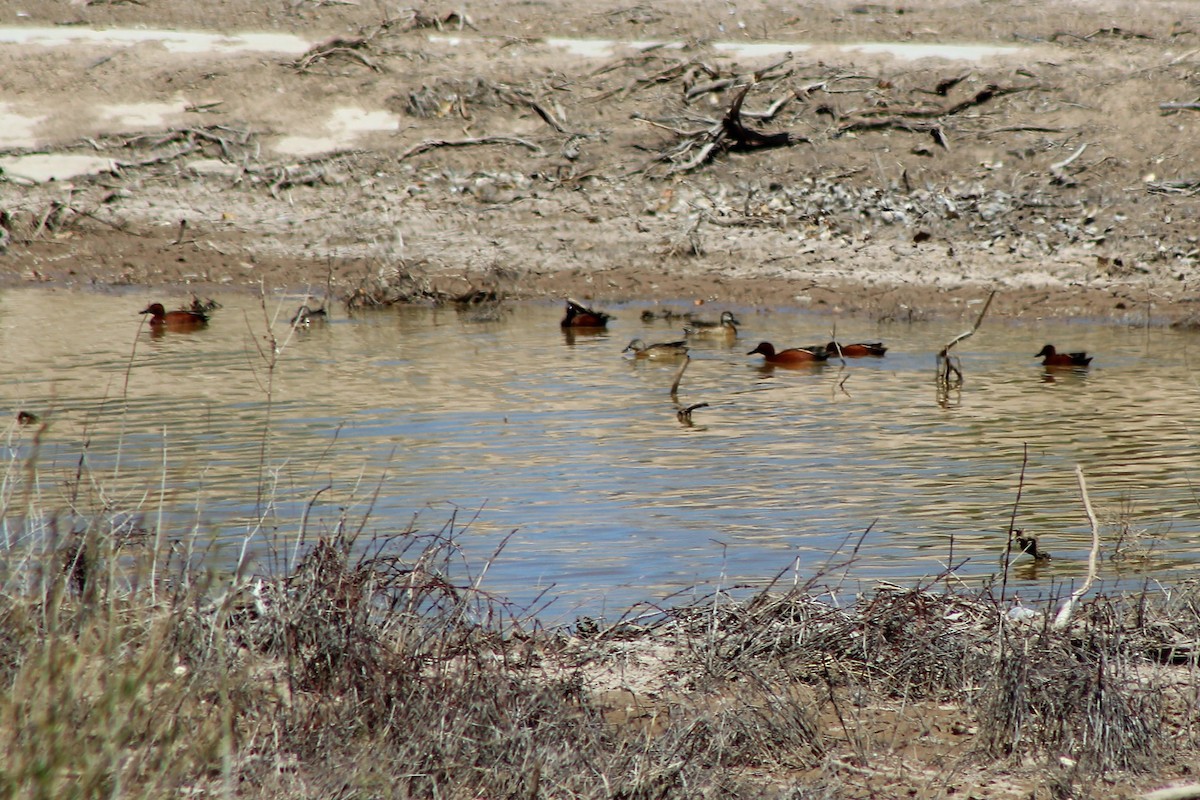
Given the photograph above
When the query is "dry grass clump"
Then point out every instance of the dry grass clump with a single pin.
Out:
(902, 642)
(786, 681)
(480, 296)
(368, 675)
(1088, 693)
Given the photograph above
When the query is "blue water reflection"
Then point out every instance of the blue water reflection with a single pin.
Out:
(577, 452)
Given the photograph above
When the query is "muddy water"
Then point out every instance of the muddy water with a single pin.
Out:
(417, 416)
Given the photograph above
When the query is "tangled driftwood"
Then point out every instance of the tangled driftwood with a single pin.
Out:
(698, 147)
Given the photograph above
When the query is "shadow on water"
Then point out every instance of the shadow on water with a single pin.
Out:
(617, 490)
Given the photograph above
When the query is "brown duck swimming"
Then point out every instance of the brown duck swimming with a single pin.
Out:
(1052, 358)
(793, 355)
(181, 319)
(857, 350)
(579, 316)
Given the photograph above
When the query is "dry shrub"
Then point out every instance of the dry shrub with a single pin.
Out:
(755, 724)
(1083, 692)
(400, 675)
(913, 643)
(394, 282)
(919, 643)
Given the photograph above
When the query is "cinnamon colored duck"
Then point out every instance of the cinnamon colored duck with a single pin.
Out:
(725, 327)
(790, 356)
(180, 319)
(658, 350)
(579, 316)
(857, 350)
(1052, 358)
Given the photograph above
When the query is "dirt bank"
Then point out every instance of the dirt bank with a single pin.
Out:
(394, 153)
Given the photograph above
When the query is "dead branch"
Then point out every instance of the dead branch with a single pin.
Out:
(944, 86)
(1064, 615)
(885, 123)
(1114, 31)
(908, 119)
(709, 87)
(984, 95)
(769, 113)
(159, 159)
(1174, 187)
(1058, 169)
(1019, 129)
(1193, 106)
(518, 98)
(338, 46)
(684, 415)
(730, 133)
(665, 125)
(454, 20)
(431, 144)
(679, 377)
(768, 73)
(945, 362)
(643, 56)
(1189, 791)
(666, 75)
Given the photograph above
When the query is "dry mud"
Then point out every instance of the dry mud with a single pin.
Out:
(1048, 168)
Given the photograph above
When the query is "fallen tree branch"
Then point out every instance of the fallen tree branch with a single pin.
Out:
(350, 48)
(679, 377)
(432, 144)
(699, 147)
(1194, 106)
(1019, 129)
(1114, 31)
(1174, 187)
(1189, 791)
(665, 75)
(911, 119)
(767, 73)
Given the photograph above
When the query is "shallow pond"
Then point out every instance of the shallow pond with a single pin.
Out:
(418, 415)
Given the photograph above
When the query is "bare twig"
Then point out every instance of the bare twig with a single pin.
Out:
(945, 366)
(679, 375)
(1012, 519)
(1189, 792)
(1057, 169)
(1064, 614)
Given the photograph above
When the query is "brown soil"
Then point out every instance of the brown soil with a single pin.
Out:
(892, 199)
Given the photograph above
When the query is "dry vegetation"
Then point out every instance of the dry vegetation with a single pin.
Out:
(370, 665)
